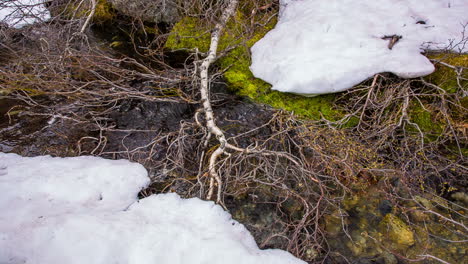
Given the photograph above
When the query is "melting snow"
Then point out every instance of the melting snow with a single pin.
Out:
(19, 13)
(329, 46)
(85, 210)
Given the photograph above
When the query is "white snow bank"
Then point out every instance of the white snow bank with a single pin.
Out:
(328, 46)
(18, 13)
(85, 210)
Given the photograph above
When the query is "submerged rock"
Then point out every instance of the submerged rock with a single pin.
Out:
(397, 231)
(460, 196)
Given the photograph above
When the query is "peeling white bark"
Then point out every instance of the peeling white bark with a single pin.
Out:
(90, 16)
(205, 97)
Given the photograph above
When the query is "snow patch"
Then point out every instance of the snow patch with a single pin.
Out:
(85, 210)
(321, 47)
(18, 13)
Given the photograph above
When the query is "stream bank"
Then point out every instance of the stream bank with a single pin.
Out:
(365, 190)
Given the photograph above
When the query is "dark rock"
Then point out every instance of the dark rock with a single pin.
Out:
(149, 10)
(385, 207)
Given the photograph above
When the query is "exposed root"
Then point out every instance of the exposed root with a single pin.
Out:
(205, 98)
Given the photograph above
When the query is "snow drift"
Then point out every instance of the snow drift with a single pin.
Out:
(322, 47)
(85, 210)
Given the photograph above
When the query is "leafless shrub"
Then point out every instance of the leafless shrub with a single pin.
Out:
(304, 169)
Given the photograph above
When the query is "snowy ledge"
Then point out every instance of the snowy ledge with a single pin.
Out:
(86, 210)
(321, 47)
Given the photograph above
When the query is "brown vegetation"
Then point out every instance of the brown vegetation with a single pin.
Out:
(409, 138)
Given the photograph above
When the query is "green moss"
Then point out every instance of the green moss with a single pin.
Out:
(426, 119)
(104, 12)
(151, 29)
(190, 33)
(117, 44)
(445, 77)
(314, 107)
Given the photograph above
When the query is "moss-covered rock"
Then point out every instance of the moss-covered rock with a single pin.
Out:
(191, 33)
(374, 232)
(446, 77)
(333, 223)
(426, 113)
(397, 231)
(104, 12)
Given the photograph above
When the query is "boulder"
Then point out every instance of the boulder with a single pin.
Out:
(158, 11)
